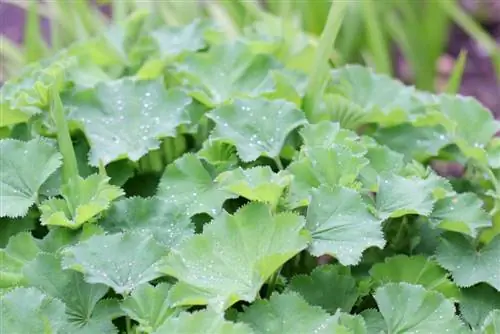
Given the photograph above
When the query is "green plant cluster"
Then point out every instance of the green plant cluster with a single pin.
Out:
(160, 179)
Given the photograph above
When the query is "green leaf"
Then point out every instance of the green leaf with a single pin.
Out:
(12, 226)
(256, 126)
(477, 302)
(341, 225)
(21, 249)
(189, 184)
(24, 168)
(256, 184)
(219, 154)
(126, 118)
(417, 270)
(491, 324)
(225, 72)
(330, 287)
(328, 135)
(408, 308)
(234, 256)
(468, 265)
(169, 225)
(334, 166)
(148, 306)
(398, 196)
(202, 322)
(45, 273)
(83, 199)
(385, 101)
(121, 261)
(28, 310)
(288, 313)
(462, 213)
(382, 160)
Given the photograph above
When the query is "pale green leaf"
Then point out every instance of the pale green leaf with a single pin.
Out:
(341, 225)
(468, 265)
(148, 305)
(126, 118)
(288, 313)
(20, 250)
(234, 256)
(188, 183)
(330, 287)
(491, 324)
(202, 322)
(415, 269)
(462, 213)
(382, 160)
(225, 72)
(329, 134)
(256, 184)
(256, 126)
(219, 154)
(168, 224)
(477, 302)
(83, 199)
(28, 310)
(45, 273)
(24, 168)
(408, 308)
(121, 261)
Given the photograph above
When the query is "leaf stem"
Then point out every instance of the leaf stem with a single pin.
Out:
(272, 283)
(496, 186)
(316, 80)
(70, 166)
(278, 162)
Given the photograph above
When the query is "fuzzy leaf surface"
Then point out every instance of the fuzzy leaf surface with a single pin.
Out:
(234, 256)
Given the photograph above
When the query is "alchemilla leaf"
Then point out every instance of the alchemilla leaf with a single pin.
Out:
(256, 126)
(341, 225)
(477, 302)
(24, 168)
(83, 199)
(408, 308)
(126, 118)
(234, 256)
(467, 264)
(491, 324)
(20, 250)
(225, 72)
(288, 313)
(122, 261)
(202, 322)
(189, 184)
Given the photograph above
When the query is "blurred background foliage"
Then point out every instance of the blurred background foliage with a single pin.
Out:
(415, 40)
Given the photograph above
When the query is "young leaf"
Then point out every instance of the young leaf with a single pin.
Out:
(462, 213)
(202, 322)
(168, 224)
(468, 265)
(408, 308)
(83, 200)
(417, 270)
(341, 225)
(24, 168)
(126, 118)
(28, 310)
(20, 250)
(148, 306)
(234, 256)
(221, 155)
(121, 261)
(330, 287)
(188, 184)
(225, 72)
(45, 273)
(256, 184)
(256, 126)
(288, 313)
(477, 302)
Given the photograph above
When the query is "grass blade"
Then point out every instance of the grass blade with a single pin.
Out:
(376, 38)
(34, 46)
(455, 80)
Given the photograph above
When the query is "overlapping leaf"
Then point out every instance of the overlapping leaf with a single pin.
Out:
(83, 199)
(477, 302)
(126, 118)
(234, 256)
(491, 324)
(467, 264)
(122, 261)
(256, 126)
(24, 168)
(21, 249)
(341, 225)
(189, 184)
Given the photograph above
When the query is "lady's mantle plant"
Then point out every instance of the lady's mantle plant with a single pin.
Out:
(167, 180)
